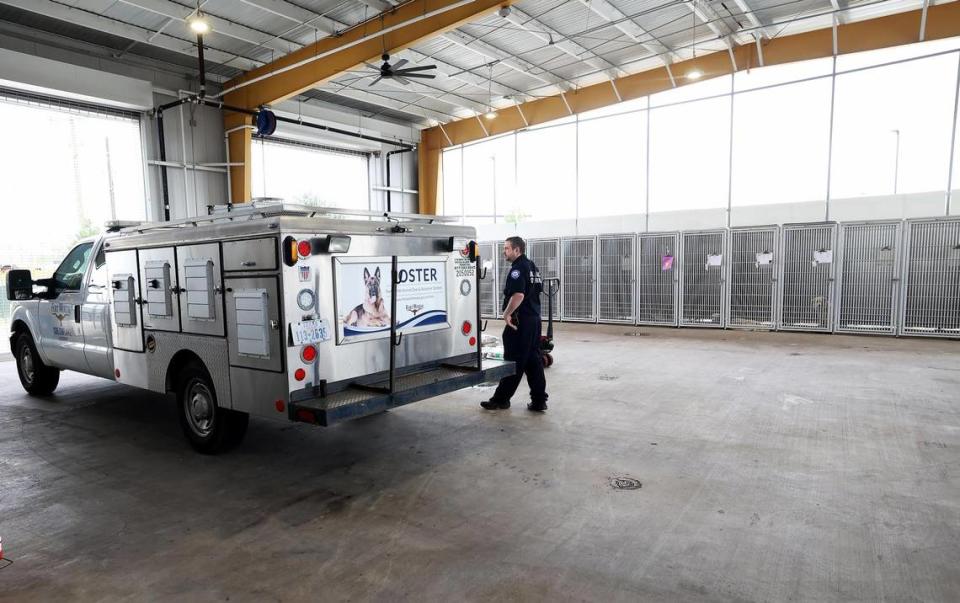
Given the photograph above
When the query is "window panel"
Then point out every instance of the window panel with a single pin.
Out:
(892, 128)
(612, 165)
(780, 141)
(546, 174)
(686, 92)
(452, 182)
(488, 176)
(689, 155)
(303, 174)
(759, 77)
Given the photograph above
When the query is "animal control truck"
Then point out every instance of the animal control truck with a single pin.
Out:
(266, 309)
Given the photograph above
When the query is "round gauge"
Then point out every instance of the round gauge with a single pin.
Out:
(305, 299)
(464, 287)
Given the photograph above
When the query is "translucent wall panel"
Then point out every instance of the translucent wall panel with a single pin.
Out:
(546, 173)
(489, 177)
(892, 128)
(689, 155)
(780, 141)
(303, 174)
(760, 77)
(612, 165)
(706, 88)
(452, 168)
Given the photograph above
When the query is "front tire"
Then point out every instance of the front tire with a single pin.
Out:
(37, 378)
(208, 427)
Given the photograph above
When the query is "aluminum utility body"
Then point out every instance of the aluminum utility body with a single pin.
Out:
(267, 309)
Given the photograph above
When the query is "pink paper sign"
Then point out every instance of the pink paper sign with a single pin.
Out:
(666, 263)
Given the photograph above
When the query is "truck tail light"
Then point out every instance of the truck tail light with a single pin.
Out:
(466, 328)
(473, 341)
(304, 248)
(308, 353)
(290, 255)
(300, 374)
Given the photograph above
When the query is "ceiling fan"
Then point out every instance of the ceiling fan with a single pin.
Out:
(396, 73)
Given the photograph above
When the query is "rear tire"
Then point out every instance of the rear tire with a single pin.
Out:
(208, 427)
(37, 378)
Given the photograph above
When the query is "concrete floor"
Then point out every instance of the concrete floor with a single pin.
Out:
(774, 467)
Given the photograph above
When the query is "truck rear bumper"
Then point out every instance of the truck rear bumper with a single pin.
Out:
(353, 403)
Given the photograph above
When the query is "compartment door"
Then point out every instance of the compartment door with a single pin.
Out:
(253, 323)
(201, 289)
(124, 286)
(161, 303)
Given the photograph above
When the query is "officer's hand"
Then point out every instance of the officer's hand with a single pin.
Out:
(508, 318)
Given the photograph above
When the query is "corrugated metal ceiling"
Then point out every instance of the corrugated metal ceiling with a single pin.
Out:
(522, 62)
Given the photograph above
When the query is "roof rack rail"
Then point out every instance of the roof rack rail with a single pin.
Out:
(264, 208)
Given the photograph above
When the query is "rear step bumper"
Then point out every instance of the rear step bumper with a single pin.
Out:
(354, 403)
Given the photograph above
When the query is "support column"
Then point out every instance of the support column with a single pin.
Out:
(239, 148)
(428, 168)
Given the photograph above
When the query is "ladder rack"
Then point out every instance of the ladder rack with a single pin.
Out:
(268, 208)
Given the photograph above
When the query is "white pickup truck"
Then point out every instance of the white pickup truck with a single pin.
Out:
(273, 310)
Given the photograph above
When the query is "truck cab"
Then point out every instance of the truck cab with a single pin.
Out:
(66, 325)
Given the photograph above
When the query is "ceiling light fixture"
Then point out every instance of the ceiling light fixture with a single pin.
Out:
(694, 74)
(199, 25)
(491, 114)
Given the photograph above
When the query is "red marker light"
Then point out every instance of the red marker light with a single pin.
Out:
(279, 404)
(304, 248)
(466, 328)
(116, 372)
(308, 353)
(299, 374)
(473, 341)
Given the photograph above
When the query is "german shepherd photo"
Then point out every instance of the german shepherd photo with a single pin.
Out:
(373, 311)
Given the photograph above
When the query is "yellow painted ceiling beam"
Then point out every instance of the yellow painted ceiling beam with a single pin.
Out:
(403, 27)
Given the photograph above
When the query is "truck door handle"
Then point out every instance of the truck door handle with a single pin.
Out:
(248, 264)
(76, 313)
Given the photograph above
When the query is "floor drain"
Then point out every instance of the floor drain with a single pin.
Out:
(625, 483)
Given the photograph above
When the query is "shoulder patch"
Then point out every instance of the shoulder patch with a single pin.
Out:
(515, 274)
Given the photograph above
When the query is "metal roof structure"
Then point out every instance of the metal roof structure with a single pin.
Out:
(535, 48)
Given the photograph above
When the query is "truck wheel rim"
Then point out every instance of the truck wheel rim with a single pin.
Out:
(199, 409)
(26, 364)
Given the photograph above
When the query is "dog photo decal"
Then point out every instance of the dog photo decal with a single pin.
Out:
(373, 311)
(363, 287)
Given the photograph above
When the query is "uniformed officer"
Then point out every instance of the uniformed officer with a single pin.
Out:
(521, 335)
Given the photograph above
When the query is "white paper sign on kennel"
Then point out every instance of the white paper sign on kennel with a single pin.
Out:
(363, 296)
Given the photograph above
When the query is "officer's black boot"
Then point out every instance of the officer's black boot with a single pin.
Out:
(537, 406)
(495, 405)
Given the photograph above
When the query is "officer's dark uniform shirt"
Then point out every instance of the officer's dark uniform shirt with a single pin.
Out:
(524, 277)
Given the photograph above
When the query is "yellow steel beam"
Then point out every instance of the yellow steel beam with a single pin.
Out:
(943, 21)
(403, 27)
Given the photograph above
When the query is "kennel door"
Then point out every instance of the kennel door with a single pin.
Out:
(807, 267)
(702, 255)
(752, 278)
(658, 271)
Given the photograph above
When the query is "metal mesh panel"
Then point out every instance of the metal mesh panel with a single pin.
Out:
(545, 254)
(488, 285)
(752, 282)
(701, 279)
(503, 269)
(656, 278)
(869, 273)
(932, 293)
(578, 280)
(806, 284)
(616, 287)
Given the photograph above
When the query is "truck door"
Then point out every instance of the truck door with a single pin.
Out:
(95, 318)
(61, 334)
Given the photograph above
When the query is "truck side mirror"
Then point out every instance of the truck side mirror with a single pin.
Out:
(19, 285)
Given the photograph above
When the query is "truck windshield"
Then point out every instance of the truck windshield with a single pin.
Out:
(69, 275)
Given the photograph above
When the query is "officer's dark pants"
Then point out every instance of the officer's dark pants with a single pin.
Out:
(523, 347)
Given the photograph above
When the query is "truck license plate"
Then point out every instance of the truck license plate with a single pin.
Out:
(310, 331)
